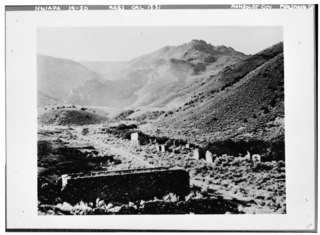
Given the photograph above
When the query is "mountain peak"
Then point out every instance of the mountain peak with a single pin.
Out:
(200, 45)
(203, 46)
(224, 49)
(198, 42)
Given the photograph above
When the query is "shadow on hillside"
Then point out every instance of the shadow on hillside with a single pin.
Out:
(54, 160)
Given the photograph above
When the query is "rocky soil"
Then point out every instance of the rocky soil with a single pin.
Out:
(227, 185)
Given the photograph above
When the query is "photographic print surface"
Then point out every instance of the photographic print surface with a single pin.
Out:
(161, 120)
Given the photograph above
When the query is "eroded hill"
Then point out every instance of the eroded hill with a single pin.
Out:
(243, 101)
(153, 80)
(65, 116)
(57, 77)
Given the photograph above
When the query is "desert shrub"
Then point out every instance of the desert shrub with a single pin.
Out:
(168, 113)
(260, 166)
(85, 131)
(281, 163)
(81, 208)
(180, 142)
(236, 161)
(122, 127)
(124, 115)
(203, 169)
(132, 126)
(228, 147)
(171, 197)
(161, 139)
(269, 150)
(273, 102)
(277, 150)
(265, 109)
(121, 130)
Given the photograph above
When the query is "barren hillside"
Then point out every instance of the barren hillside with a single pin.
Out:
(152, 80)
(57, 77)
(245, 100)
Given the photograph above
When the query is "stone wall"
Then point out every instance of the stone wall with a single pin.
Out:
(126, 186)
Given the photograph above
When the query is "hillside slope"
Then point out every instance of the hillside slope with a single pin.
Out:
(71, 116)
(57, 77)
(243, 101)
(153, 80)
(104, 69)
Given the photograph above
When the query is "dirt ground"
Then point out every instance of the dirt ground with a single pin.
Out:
(227, 185)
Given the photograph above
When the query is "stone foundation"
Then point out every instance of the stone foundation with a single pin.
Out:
(124, 186)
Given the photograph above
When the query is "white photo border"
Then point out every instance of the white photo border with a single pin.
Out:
(300, 120)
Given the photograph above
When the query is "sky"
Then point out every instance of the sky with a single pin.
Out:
(126, 43)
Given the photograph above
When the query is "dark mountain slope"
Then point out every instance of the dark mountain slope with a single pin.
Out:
(244, 102)
(233, 73)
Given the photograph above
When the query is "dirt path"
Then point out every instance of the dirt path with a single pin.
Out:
(262, 185)
(126, 154)
(110, 145)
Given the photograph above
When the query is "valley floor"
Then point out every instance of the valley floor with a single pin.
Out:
(224, 186)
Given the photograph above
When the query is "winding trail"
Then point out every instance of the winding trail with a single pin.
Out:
(108, 145)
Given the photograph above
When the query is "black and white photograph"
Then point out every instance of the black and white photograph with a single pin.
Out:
(161, 120)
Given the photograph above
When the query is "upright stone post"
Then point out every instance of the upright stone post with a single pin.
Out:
(196, 154)
(209, 158)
